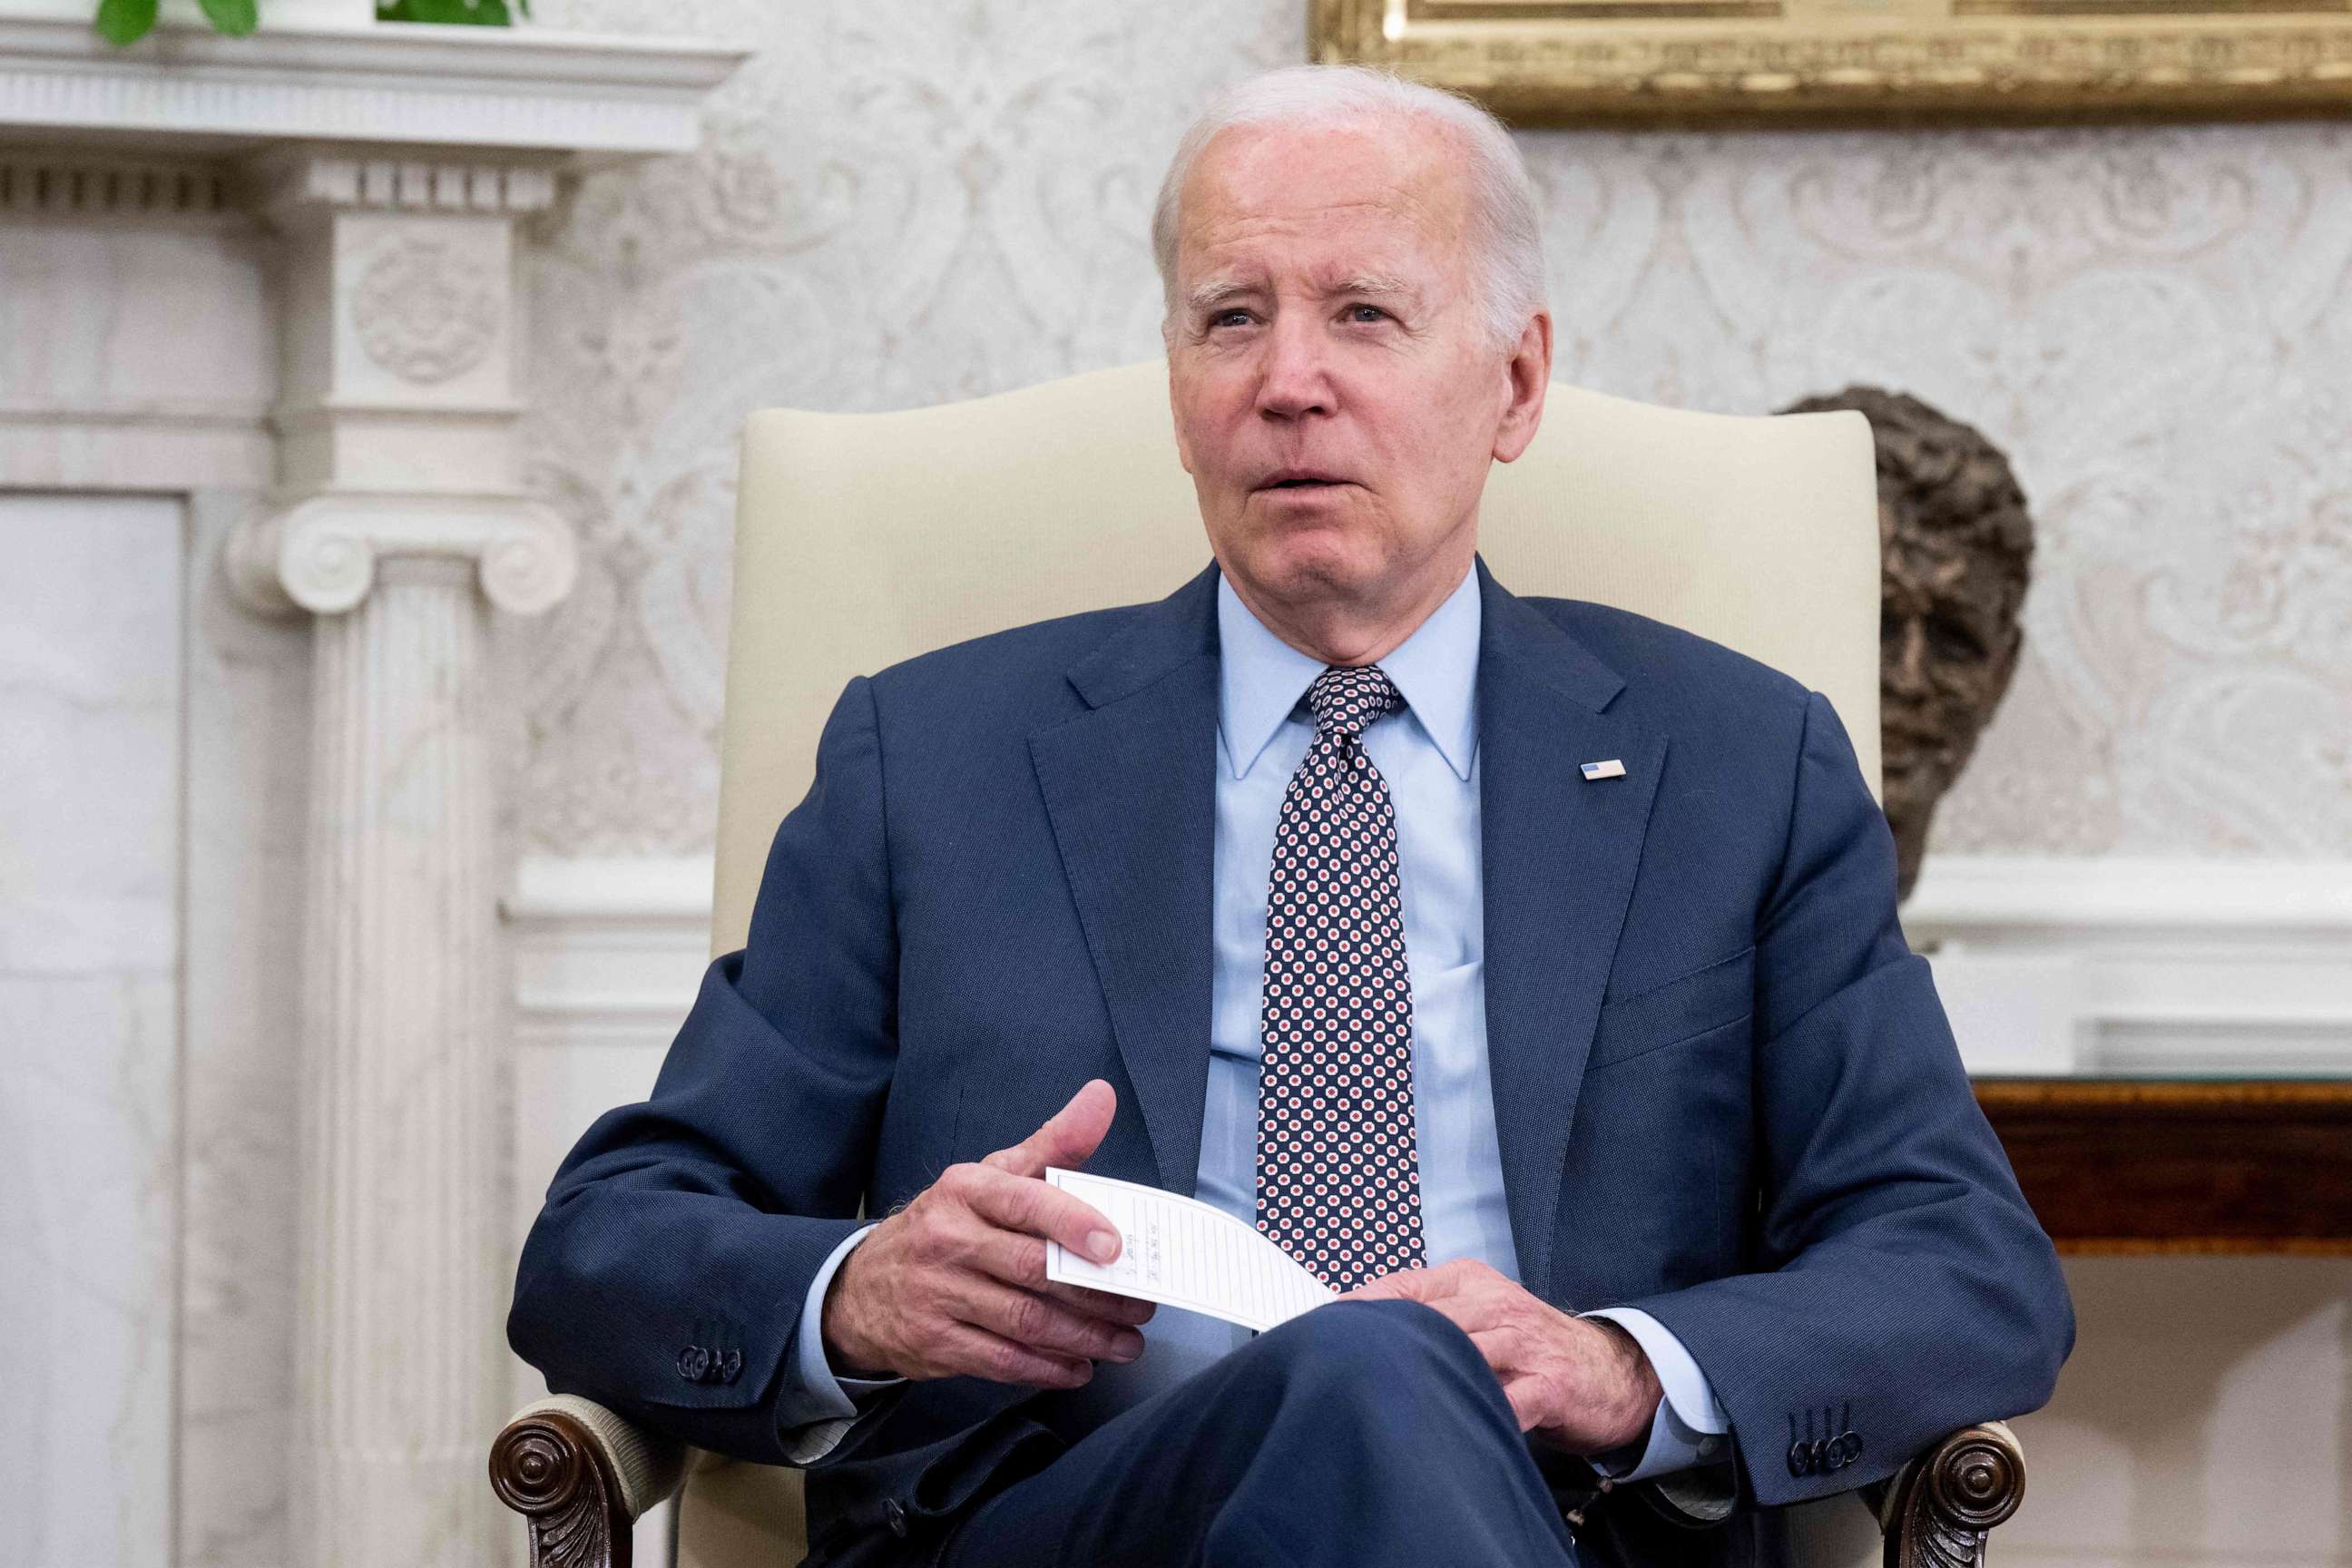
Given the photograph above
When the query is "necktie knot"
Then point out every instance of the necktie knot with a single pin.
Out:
(1346, 699)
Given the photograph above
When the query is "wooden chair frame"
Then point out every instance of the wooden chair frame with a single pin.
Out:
(1936, 1511)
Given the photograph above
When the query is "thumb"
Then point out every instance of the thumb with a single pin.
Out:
(1069, 1136)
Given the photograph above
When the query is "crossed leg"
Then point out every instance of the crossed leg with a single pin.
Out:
(1364, 1434)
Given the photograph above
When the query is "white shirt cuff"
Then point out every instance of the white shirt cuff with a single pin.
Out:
(1689, 1427)
(815, 1393)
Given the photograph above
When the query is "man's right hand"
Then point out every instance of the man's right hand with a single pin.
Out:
(954, 1283)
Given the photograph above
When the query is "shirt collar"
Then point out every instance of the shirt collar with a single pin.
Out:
(1264, 679)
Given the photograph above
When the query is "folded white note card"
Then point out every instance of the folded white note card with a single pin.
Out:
(1182, 1252)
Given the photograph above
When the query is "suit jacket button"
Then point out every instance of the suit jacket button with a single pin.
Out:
(1850, 1442)
(896, 1513)
(1800, 1459)
(730, 1366)
(693, 1363)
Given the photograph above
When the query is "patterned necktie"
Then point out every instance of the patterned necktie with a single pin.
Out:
(1339, 1166)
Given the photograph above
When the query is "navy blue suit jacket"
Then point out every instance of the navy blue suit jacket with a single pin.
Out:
(1725, 1091)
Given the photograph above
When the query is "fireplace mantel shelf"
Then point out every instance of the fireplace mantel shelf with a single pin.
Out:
(580, 99)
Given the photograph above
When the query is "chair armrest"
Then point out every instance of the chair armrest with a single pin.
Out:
(582, 1476)
(1936, 1510)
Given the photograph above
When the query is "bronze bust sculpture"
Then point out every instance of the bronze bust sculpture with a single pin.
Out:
(1957, 545)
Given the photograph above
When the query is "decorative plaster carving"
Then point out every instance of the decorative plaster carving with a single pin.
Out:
(407, 184)
(321, 556)
(529, 566)
(61, 184)
(422, 314)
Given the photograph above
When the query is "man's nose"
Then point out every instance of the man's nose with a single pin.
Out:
(1295, 379)
(1905, 674)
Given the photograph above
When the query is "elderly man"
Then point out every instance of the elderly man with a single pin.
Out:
(1528, 970)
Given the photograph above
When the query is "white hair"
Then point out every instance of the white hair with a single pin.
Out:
(1506, 242)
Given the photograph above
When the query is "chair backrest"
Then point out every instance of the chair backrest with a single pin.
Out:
(864, 539)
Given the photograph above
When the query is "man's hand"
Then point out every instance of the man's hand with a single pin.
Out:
(954, 1283)
(1579, 1383)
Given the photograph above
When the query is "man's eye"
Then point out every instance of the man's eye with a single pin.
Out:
(1235, 317)
(1363, 313)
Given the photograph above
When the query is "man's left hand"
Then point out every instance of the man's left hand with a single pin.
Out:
(1578, 1384)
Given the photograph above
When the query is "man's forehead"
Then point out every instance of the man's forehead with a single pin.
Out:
(1330, 172)
(1373, 192)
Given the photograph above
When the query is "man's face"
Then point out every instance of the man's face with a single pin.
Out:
(1337, 396)
(1949, 641)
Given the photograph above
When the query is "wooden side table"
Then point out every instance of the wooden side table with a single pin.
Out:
(2182, 1165)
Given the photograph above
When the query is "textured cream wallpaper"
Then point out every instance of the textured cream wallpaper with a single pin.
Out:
(903, 203)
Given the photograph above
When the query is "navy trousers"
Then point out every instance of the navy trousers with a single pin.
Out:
(1362, 1433)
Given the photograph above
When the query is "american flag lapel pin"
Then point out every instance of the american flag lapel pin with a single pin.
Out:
(1614, 768)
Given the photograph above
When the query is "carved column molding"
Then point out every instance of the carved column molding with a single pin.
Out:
(400, 526)
(323, 554)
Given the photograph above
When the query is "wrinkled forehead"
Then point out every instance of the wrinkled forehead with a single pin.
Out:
(1383, 192)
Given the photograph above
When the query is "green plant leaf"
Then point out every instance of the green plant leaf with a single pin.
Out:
(482, 13)
(234, 17)
(125, 21)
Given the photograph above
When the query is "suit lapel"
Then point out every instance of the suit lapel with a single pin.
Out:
(1559, 858)
(1130, 786)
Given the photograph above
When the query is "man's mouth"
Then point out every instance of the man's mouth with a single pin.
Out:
(1300, 479)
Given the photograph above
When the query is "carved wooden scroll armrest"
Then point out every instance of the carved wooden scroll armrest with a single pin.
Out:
(581, 1475)
(1936, 1510)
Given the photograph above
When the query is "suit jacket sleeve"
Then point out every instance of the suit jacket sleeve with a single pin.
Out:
(1904, 1288)
(666, 1275)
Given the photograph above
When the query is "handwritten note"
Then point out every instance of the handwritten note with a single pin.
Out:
(1180, 1252)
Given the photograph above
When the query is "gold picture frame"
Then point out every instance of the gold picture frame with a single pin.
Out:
(1568, 62)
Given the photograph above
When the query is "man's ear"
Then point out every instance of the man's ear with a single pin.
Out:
(1530, 369)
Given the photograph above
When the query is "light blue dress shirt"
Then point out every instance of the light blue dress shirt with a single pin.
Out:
(1428, 754)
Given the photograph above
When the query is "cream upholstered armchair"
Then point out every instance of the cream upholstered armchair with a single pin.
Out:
(862, 540)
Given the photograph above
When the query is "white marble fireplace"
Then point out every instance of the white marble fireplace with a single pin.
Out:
(260, 505)
(90, 676)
